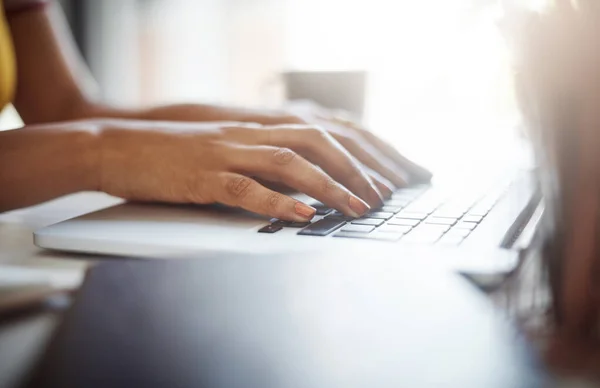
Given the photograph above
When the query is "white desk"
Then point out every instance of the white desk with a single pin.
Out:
(22, 340)
(16, 240)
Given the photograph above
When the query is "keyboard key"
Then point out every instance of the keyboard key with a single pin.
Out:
(357, 228)
(371, 236)
(422, 236)
(323, 227)
(403, 221)
(403, 196)
(270, 229)
(471, 218)
(412, 215)
(479, 211)
(465, 225)
(440, 221)
(380, 215)
(338, 214)
(394, 229)
(397, 202)
(410, 192)
(391, 209)
(448, 213)
(456, 205)
(432, 228)
(418, 208)
(351, 234)
(290, 224)
(385, 236)
(322, 210)
(368, 221)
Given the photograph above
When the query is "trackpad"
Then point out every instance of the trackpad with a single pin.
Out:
(198, 215)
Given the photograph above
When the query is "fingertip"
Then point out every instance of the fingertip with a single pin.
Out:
(357, 206)
(399, 181)
(374, 197)
(385, 190)
(416, 172)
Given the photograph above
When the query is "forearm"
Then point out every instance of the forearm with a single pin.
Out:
(54, 85)
(42, 162)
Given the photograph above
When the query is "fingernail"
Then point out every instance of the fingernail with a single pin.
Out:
(358, 206)
(304, 211)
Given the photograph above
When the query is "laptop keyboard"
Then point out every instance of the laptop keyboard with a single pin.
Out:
(421, 214)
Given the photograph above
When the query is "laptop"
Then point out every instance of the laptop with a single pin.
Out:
(284, 321)
(478, 228)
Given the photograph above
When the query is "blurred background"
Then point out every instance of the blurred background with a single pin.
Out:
(438, 82)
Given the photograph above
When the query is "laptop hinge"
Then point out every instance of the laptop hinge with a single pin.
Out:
(522, 232)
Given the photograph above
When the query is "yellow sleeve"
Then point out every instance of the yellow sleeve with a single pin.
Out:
(7, 64)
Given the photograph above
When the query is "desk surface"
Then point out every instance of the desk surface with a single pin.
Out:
(16, 239)
(22, 341)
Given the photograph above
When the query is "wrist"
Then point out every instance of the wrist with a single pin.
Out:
(87, 148)
(125, 149)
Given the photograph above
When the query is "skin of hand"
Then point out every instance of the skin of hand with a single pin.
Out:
(388, 169)
(42, 162)
(200, 163)
(221, 162)
(375, 154)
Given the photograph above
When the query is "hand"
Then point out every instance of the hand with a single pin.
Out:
(218, 162)
(382, 160)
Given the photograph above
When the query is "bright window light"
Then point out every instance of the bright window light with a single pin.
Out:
(440, 83)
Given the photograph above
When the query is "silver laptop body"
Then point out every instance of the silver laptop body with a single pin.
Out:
(507, 212)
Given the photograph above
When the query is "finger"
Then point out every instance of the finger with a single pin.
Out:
(240, 191)
(368, 155)
(286, 166)
(386, 192)
(416, 171)
(320, 148)
(275, 186)
(385, 187)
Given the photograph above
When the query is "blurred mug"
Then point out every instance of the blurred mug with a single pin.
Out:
(343, 90)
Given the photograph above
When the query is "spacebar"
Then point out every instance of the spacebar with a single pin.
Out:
(322, 227)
